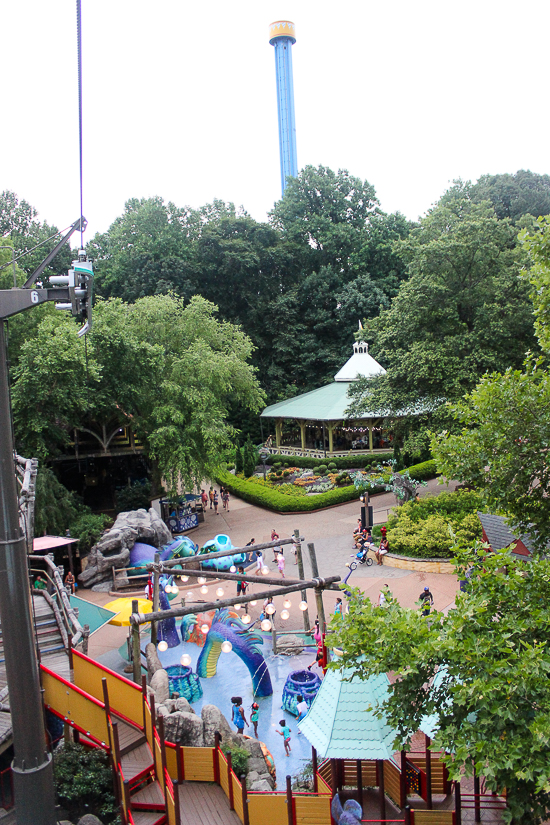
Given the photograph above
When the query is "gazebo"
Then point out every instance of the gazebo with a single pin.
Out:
(319, 422)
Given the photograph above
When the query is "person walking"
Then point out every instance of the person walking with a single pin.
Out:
(238, 718)
(426, 601)
(204, 499)
(302, 709)
(254, 717)
(216, 502)
(225, 499)
(281, 564)
(259, 561)
(241, 584)
(211, 496)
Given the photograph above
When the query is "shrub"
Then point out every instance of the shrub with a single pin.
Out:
(84, 783)
(322, 469)
(133, 496)
(332, 466)
(264, 496)
(423, 471)
(239, 758)
(347, 462)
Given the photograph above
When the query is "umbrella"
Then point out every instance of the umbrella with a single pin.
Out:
(123, 609)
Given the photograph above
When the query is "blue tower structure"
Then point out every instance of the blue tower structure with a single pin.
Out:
(282, 37)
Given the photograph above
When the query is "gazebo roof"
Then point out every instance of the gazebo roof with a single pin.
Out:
(360, 365)
(341, 723)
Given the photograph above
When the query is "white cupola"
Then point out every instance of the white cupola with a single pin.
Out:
(361, 364)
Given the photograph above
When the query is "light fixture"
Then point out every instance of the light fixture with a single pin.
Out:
(189, 594)
(246, 619)
(265, 571)
(287, 603)
(270, 609)
(303, 605)
(201, 580)
(253, 603)
(168, 588)
(285, 614)
(204, 589)
(220, 591)
(185, 660)
(227, 647)
(162, 646)
(266, 625)
(184, 578)
(205, 628)
(232, 569)
(238, 606)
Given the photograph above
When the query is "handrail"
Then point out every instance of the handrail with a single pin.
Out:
(72, 625)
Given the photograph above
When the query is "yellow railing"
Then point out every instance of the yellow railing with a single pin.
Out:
(434, 818)
(237, 796)
(79, 710)
(124, 696)
(267, 809)
(312, 810)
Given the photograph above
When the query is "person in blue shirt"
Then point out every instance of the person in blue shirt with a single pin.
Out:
(238, 718)
(285, 733)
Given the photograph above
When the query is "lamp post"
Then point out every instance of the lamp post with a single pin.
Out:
(263, 456)
(367, 516)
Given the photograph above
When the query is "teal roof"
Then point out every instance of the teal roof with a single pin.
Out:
(328, 403)
(341, 723)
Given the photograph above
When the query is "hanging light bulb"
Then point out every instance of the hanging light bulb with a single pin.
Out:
(303, 605)
(204, 589)
(266, 625)
(184, 578)
(201, 580)
(287, 603)
(265, 571)
(270, 609)
(285, 614)
(162, 646)
(185, 660)
(246, 619)
(253, 603)
(227, 647)
(168, 588)
(232, 569)
(238, 607)
(205, 628)
(220, 591)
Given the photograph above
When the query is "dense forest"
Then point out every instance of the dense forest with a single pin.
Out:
(204, 315)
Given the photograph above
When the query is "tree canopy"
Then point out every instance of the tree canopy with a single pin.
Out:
(480, 672)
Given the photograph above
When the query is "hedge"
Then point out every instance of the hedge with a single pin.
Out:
(342, 463)
(423, 471)
(280, 503)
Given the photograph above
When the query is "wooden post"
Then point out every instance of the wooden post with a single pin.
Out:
(300, 562)
(136, 646)
(176, 786)
(246, 820)
(314, 766)
(318, 593)
(330, 437)
(156, 582)
(407, 814)
(359, 782)
(333, 777)
(70, 651)
(230, 781)
(458, 805)
(116, 744)
(217, 740)
(105, 690)
(381, 788)
(179, 763)
(85, 638)
(303, 434)
(403, 781)
(290, 807)
(477, 800)
(429, 801)
(273, 634)
(143, 698)
(162, 747)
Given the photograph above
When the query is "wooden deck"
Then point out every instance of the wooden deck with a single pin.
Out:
(137, 762)
(204, 803)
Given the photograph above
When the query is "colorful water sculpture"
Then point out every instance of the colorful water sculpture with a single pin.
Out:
(185, 682)
(245, 645)
(300, 682)
(220, 542)
(166, 628)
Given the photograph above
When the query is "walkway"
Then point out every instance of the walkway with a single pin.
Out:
(205, 804)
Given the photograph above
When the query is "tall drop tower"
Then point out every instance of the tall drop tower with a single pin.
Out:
(282, 37)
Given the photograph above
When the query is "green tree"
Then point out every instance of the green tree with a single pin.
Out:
(465, 310)
(84, 783)
(58, 510)
(481, 672)
(514, 196)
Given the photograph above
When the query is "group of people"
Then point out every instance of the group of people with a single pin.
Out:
(363, 541)
(214, 498)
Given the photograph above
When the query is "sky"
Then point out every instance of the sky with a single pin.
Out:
(179, 99)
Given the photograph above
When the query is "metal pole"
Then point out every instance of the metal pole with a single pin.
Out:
(32, 765)
(300, 562)
(273, 635)
(156, 583)
(136, 647)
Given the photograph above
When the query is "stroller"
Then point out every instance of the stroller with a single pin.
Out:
(362, 555)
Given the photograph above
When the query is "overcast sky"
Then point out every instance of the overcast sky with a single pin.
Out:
(179, 99)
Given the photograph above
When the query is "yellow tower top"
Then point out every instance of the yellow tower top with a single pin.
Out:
(282, 28)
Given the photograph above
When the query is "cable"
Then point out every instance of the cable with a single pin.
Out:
(79, 56)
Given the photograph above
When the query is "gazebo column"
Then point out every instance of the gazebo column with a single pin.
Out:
(303, 434)
(278, 432)
(370, 436)
(330, 426)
